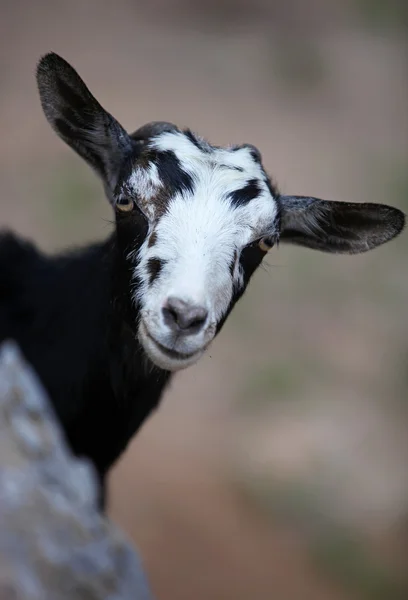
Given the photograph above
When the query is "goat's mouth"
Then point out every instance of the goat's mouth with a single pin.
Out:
(164, 357)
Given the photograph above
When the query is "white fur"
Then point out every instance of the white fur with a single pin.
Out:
(197, 237)
(147, 183)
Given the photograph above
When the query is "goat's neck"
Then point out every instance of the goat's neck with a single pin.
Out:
(123, 314)
(121, 386)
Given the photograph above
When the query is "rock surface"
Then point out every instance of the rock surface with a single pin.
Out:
(54, 544)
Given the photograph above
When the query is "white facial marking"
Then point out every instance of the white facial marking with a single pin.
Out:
(147, 183)
(197, 239)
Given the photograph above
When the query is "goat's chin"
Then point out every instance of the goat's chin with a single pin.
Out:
(163, 358)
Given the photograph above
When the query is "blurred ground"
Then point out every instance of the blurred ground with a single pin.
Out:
(276, 468)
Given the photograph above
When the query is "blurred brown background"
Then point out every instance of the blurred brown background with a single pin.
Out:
(277, 467)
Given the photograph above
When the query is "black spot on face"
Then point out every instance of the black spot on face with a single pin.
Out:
(246, 194)
(251, 258)
(154, 266)
(170, 172)
(152, 239)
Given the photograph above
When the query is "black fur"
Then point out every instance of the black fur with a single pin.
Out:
(69, 315)
(174, 178)
(154, 266)
(246, 194)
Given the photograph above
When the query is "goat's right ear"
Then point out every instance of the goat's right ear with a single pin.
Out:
(79, 119)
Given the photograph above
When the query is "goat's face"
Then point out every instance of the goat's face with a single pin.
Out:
(194, 220)
(211, 212)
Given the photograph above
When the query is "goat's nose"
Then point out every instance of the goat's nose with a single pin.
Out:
(181, 315)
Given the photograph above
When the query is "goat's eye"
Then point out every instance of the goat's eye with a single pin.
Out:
(265, 244)
(125, 204)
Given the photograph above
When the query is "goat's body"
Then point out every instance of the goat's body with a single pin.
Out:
(67, 317)
(105, 326)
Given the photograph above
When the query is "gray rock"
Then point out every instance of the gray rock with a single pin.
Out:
(54, 543)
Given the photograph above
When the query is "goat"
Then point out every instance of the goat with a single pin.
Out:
(106, 326)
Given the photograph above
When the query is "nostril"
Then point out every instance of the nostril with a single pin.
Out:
(194, 318)
(170, 316)
(181, 315)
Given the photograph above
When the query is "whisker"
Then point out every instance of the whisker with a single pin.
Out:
(271, 265)
(267, 267)
(107, 221)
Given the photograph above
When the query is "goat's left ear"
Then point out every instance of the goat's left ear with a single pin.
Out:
(79, 119)
(338, 227)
